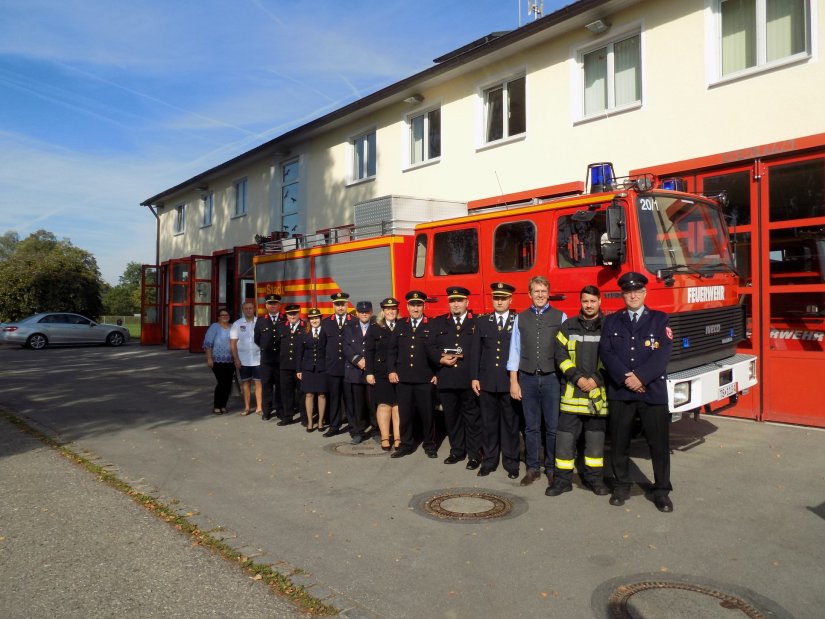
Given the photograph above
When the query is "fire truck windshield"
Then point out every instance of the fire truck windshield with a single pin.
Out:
(682, 234)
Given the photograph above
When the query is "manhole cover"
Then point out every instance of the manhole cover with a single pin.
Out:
(643, 599)
(662, 595)
(468, 505)
(365, 448)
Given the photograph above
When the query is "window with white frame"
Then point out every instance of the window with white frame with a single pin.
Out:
(208, 200)
(505, 113)
(290, 197)
(425, 136)
(754, 33)
(363, 156)
(179, 222)
(241, 197)
(612, 75)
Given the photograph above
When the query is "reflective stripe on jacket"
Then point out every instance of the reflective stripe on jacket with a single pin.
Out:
(577, 355)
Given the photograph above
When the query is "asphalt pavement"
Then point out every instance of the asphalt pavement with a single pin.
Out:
(370, 535)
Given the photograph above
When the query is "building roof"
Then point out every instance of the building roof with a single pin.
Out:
(460, 60)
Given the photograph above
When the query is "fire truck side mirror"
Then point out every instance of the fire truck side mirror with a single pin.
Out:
(613, 240)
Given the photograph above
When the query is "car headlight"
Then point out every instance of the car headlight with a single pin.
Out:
(681, 393)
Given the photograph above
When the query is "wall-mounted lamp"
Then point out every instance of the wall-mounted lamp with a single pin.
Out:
(414, 99)
(598, 26)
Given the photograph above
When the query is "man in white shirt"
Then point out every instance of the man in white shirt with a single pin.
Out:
(247, 357)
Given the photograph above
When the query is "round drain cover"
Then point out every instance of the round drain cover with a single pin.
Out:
(468, 505)
(656, 595)
(365, 448)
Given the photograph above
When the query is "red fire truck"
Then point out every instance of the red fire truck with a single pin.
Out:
(608, 227)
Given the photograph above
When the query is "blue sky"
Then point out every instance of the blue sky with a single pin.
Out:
(103, 104)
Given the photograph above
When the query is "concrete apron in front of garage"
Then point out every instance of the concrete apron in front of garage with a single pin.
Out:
(414, 537)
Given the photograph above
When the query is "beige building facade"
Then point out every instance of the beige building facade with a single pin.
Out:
(701, 88)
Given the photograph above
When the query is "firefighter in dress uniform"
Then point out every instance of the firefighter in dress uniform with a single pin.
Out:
(333, 327)
(288, 333)
(355, 381)
(635, 349)
(266, 337)
(311, 356)
(410, 370)
(449, 350)
(491, 383)
(583, 397)
(382, 391)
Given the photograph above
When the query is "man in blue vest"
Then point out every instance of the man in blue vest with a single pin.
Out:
(533, 377)
(635, 350)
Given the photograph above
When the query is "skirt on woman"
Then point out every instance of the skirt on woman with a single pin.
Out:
(383, 392)
(313, 382)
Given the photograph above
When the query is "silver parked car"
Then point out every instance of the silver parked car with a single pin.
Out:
(61, 328)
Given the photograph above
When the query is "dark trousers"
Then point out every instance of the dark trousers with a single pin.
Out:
(224, 373)
(655, 420)
(335, 401)
(539, 401)
(357, 405)
(291, 402)
(416, 400)
(271, 382)
(463, 421)
(500, 425)
(567, 436)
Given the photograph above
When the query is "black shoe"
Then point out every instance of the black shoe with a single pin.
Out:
(266, 417)
(529, 478)
(332, 432)
(617, 499)
(663, 503)
(357, 440)
(557, 489)
(431, 453)
(285, 422)
(451, 459)
(472, 464)
(401, 452)
(599, 489)
(512, 475)
(484, 472)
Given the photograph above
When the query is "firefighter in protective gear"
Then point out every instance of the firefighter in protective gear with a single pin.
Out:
(583, 397)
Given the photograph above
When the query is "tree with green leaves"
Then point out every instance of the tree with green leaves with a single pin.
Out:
(124, 299)
(44, 274)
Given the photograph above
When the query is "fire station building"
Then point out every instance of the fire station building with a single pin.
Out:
(722, 93)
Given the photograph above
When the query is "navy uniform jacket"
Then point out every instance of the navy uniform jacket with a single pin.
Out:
(266, 337)
(408, 351)
(445, 335)
(491, 348)
(310, 352)
(376, 350)
(289, 344)
(335, 343)
(354, 351)
(645, 351)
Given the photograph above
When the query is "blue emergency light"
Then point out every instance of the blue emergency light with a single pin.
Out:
(674, 184)
(685, 342)
(600, 176)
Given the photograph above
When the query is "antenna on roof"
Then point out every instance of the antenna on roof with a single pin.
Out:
(536, 9)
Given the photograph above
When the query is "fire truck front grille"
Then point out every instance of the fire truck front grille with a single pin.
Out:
(705, 335)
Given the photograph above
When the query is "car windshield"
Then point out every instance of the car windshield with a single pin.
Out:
(679, 233)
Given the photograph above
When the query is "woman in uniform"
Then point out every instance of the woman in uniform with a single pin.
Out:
(311, 368)
(376, 347)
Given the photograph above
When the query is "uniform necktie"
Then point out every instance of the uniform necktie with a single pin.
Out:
(315, 333)
(500, 323)
(340, 322)
(457, 322)
(633, 319)
(414, 324)
(391, 325)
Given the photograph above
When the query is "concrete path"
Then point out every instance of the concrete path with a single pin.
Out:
(747, 533)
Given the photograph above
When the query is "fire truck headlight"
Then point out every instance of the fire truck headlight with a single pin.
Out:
(752, 370)
(681, 393)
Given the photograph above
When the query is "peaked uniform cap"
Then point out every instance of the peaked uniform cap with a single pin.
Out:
(273, 298)
(500, 289)
(339, 296)
(314, 313)
(363, 306)
(416, 295)
(632, 281)
(389, 302)
(457, 292)
(292, 308)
